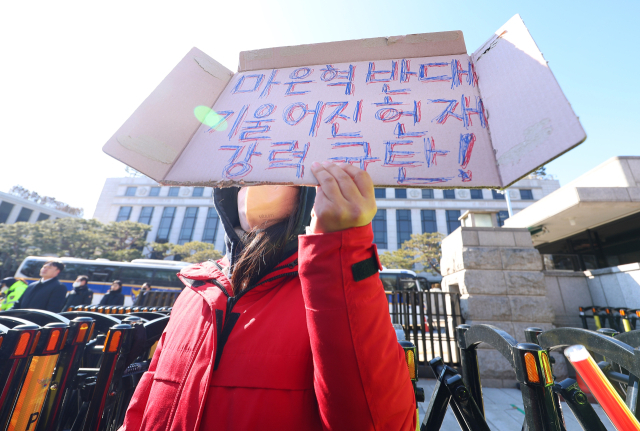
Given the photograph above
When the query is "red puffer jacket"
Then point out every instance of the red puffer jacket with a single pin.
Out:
(311, 347)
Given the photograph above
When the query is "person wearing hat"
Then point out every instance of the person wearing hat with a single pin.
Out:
(12, 289)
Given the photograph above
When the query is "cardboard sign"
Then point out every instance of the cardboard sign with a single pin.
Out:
(413, 111)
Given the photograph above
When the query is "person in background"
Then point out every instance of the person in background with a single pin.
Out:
(114, 296)
(12, 289)
(80, 295)
(146, 288)
(47, 293)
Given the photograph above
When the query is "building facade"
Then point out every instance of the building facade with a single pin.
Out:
(591, 223)
(182, 214)
(14, 209)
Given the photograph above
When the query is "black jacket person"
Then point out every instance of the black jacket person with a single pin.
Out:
(47, 293)
(114, 296)
(80, 295)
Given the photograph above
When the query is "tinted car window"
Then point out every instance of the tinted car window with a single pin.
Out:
(389, 281)
(132, 275)
(31, 268)
(72, 271)
(166, 278)
(408, 284)
(100, 273)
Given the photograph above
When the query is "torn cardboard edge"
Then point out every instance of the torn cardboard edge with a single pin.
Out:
(155, 136)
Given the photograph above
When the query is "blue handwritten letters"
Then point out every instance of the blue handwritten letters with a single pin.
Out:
(408, 121)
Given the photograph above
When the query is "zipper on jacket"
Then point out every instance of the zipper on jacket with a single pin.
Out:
(290, 265)
(225, 322)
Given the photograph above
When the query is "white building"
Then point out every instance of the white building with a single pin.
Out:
(14, 209)
(182, 214)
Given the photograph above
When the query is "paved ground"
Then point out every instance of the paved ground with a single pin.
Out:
(503, 410)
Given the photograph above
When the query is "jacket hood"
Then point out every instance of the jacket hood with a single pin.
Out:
(226, 202)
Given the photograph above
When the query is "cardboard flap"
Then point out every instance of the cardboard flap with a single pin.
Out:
(347, 51)
(530, 120)
(152, 139)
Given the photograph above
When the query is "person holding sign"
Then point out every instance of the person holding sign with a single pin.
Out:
(291, 330)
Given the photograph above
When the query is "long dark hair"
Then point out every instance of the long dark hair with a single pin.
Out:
(263, 250)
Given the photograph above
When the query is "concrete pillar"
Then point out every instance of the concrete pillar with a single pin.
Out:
(499, 276)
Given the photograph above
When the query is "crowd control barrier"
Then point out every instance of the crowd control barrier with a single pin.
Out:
(159, 298)
(78, 370)
(75, 370)
(532, 370)
(619, 319)
(532, 365)
(429, 320)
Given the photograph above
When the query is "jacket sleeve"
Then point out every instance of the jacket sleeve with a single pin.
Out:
(361, 379)
(138, 403)
(57, 298)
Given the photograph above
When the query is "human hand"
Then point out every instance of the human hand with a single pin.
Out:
(344, 198)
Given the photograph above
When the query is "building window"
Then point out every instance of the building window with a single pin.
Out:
(429, 224)
(145, 215)
(165, 224)
(155, 191)
(452, 220)
(380, 193)
(43, 216)
(476, 194)
(401, 193)
(123, 214)
(449, 194)
(188, 223)
(497, 195)
(210, 226)
(380, 229)
(403, 224)
(5, 210)
(25, 215)
(427, 193)
(502, 216)
(173, 191)
(198, 192)
(131, 191)
(526, 194)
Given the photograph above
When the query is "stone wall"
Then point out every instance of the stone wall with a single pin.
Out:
(499, 276)
(618, 286)
(566, 291)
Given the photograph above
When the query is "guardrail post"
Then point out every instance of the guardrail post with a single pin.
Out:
(533, 371)
(100, 408)
(80, 331)
(17, 349)
(579, 405)
(470, 367)
(36, 384)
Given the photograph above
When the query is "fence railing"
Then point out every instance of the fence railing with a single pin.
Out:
(159, 299)
(429, 320)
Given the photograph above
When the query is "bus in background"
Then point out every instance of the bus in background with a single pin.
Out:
(161, 274)
(403, 279)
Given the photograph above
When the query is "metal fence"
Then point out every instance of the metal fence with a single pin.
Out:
(429, 320)
(159, 299)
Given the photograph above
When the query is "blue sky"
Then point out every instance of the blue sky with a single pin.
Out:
(73, 73)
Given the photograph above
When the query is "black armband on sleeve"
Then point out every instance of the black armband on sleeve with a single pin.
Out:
(365, 269)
